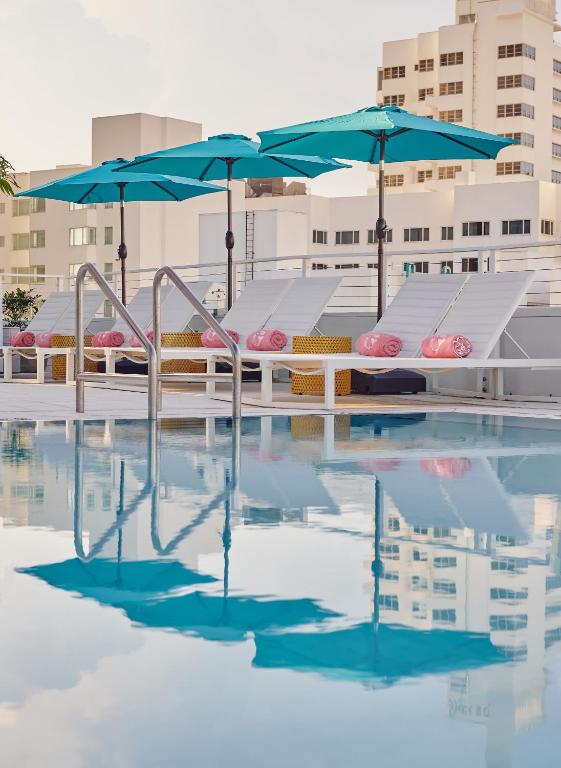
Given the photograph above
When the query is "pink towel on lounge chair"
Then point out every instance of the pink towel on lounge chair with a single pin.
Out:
(23, 339)
(108, 339)
(454, 345)
(43, 339)
(267, 341)
(374, 344)
(449, 468)
(212, 340)
(134, 342)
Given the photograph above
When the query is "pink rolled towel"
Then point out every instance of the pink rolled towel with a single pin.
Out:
(108, 339)
(267, 341)
(374, 344)
(449, 468)
(453, 345)
(212, 340)
(43, 339)
(134, 342)
(23, 339)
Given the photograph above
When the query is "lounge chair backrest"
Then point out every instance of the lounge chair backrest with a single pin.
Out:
(140, 308)
(254, 306)
(484, 306)
(177, 312)
(46, 318)
(66, 324)
(419, 306)
(302, 305)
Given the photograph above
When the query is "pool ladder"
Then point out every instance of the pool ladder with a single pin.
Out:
(155, 377)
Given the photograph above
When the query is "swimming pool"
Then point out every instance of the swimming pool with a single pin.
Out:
(320, 591)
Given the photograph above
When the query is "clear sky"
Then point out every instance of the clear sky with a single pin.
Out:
(233, 65)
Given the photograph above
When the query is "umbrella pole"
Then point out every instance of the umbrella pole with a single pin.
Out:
(381, 232)
(230, 238)
(122, 250)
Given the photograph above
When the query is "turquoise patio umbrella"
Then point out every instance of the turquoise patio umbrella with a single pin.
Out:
(109, 183)
(376, 134)
(230, 156)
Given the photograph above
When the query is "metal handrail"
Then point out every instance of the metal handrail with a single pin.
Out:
(120, 309)
(209, 320)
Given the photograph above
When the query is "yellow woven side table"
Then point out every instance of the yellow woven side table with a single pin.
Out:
(184, 339)
(318, 345)
(59, 361)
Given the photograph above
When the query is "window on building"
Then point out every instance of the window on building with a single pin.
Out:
(512, 168)
(448, 172)
(516, 227)
(425, 65)
(556, 122)
(419, 583)
(420, 556)
(516, 81)
(421, 266)
(447, 233)
(508, 623)
(389, 551)
(82, 236)
(394, 180)
(391, 73)
(388, 236)
(450, 89)
(470, 264)
(38, 205)
(556, 94)
(347, 237)
(557, 66)
(108, 205)
(424, 176)
(450, 59)
(546, 226)
(393, 524)
(319, 236)
(108, 236)
(27, 275)
(444, 615)
(424, 92)
(475, 228)
(467, 18)
(347, 266)
(80, 206)
(37, 238)
(520, 137)
(512, 50)
(446, 267)
(515, 110)
(444, 587)
(317, 266)
(20, 241)
(2, 208)
(444, 562)
(556, 150)
(509, 595)
(389, 602)
(395, 100)
(510, 564)
(2, 241)
(451, 116)
(556, 177)
(21, 207)
(416, 234)
(390, 575)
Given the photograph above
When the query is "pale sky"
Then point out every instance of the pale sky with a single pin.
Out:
(233, 65)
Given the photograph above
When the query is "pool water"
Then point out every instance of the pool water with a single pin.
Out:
(311, 591)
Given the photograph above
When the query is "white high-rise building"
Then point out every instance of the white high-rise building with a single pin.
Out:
(497, 69)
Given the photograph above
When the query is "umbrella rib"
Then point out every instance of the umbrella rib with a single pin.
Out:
(91, 189)
(174, 197)
(291, 167)
(289, 141)
(206, 170)
(466, 146)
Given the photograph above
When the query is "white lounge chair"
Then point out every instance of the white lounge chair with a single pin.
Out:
(56, 315)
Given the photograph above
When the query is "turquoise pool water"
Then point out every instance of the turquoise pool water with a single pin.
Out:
(339, 591)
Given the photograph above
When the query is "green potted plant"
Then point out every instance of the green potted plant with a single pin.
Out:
(18, 307)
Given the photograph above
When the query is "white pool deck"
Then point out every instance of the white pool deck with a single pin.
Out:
(42, 402)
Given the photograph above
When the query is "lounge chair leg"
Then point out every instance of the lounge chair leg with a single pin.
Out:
(496, 384)
(110, 360)
(40, 366)
(267, 383)
(329, 374)
(8, 365)
(211, 369)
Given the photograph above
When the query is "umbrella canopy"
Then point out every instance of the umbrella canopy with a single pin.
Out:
(230, 156)
(377, 134)
(109, 183)
(392, 653)
(113, 582)
(103, 184)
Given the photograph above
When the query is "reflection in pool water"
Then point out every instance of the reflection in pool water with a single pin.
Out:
(315, 591)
